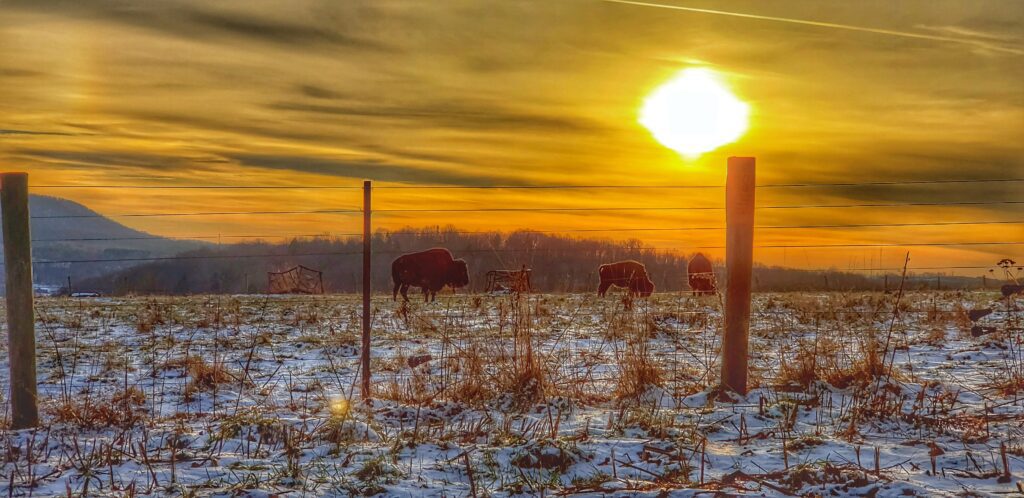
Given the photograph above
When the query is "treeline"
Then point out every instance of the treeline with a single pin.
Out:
(559, 264)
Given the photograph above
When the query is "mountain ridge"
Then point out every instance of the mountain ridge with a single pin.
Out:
(65, 230)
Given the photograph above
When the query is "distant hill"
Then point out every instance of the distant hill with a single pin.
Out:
(79, 233)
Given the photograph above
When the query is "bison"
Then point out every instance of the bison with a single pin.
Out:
(700, 275)
(629, 274)
(430, 270)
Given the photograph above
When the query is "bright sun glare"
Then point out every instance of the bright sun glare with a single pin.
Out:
(694, 113)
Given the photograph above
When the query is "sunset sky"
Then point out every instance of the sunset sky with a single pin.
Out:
(477, 93)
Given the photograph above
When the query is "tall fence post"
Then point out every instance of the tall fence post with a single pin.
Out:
(365, 360)
(739, 262)
(21, 336)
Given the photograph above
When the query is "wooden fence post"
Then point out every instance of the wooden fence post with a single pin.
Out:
(365, 360)
(739, 261)
(21, 338)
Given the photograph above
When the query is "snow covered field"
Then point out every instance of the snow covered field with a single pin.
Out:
(499, 396)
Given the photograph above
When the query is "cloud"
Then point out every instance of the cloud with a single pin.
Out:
(4, 131)
(468, 115)
(372, 170)
(109, 159)
(187, 20)
(319, 92)
(6, 72)
(203, 21)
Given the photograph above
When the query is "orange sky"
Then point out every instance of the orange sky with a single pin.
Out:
(471, 93)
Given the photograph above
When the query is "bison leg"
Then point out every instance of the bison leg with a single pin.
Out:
(405, 292)
(603, 288)
(394, 292)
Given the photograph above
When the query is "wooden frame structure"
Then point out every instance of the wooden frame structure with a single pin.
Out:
(512, 280)
(296, 280)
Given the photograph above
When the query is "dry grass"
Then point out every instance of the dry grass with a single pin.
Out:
(123, 409)
(204, 377)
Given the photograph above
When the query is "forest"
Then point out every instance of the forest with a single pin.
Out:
(559, 263)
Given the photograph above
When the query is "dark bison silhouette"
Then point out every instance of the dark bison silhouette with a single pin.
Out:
(430, 270)
(629, 274)
(700, 275)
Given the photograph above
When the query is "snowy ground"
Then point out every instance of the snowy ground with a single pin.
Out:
(498, 396)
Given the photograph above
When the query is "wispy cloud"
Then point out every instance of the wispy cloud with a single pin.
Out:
(471, 115)
(4, 131)
(194, 20)
(962, 40)
(372, 170)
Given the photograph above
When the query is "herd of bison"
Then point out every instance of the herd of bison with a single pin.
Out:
(433, 269)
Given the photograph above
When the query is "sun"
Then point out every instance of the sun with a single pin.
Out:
(694, 113)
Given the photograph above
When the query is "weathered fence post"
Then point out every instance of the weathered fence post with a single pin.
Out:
(739, 262)
(21, 337)
(365, 359)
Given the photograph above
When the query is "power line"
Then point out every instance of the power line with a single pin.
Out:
(513, 231)
(525, 187)
(694, 208)
(187, 258)
(202, 213)
(895, 182)
(486, 251)
(892, 204)
(188, 238)
(699, 208)
(847, 270)
(763, 185)
(204, 187)
(914, 244)
(881, 225)
(488, 210)
(670, 229)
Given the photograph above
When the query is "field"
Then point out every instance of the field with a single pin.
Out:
(521, 395)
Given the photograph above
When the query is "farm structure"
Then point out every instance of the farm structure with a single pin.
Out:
(509, 280)
(296, 280)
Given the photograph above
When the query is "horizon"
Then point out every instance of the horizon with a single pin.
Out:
(217, 243)
(319, 94)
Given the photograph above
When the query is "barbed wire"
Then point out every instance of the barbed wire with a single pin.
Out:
(624, 250)
(200, 213)
(419, 232)
(517, 209)
(524, 187)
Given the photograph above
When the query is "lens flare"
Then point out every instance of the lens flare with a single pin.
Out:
(694, 113)
(339, 407)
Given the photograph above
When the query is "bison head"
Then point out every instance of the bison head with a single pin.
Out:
(644, 287)
(458, 273)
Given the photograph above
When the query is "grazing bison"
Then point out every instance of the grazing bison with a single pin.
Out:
(431, 270)
(629, 274)
(700, 275)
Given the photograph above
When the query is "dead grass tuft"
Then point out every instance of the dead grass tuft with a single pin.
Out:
(122, 409)
(205, 376)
